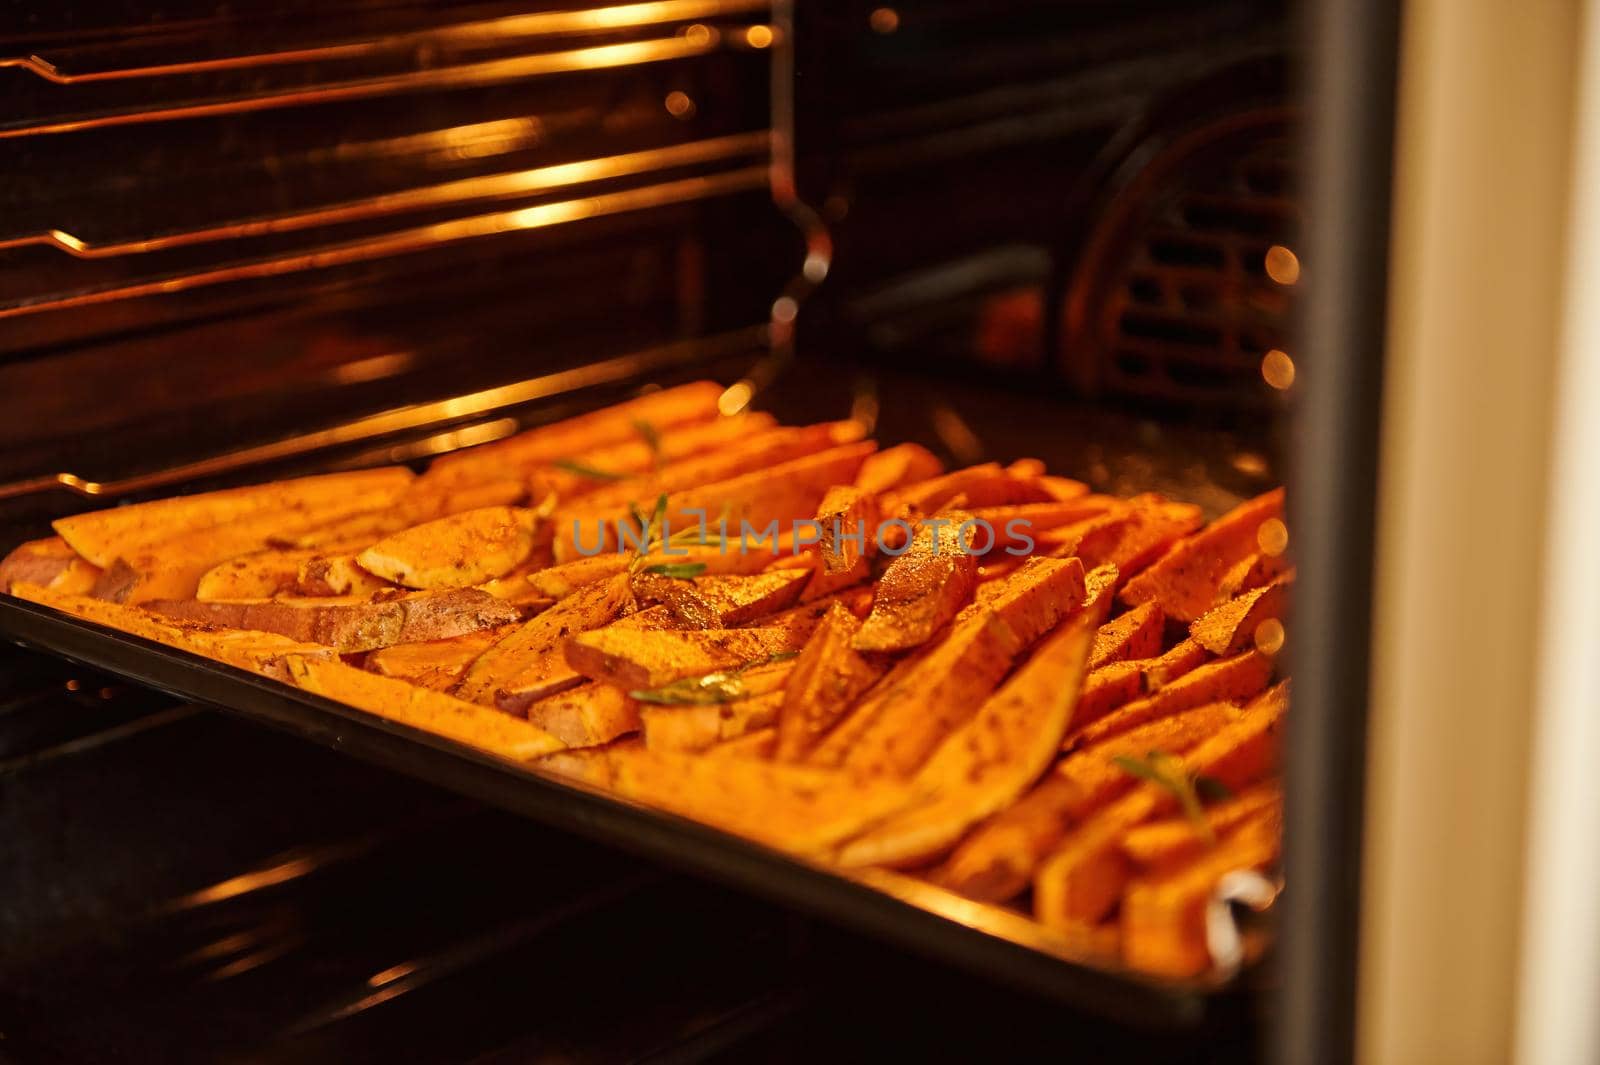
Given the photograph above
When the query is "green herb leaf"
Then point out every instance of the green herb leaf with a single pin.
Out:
(591, 472)
(682, 571)
(1167, 773)
(652, 439)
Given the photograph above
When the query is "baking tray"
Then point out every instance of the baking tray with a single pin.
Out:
(991, 940)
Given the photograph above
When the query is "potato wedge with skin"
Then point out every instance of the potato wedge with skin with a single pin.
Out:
(900, 465)
(758, 745)
(325, 575)
(419, 504)
(104, 536)
(455, 552)
(827, 678)
(1185, 580)
(49, 563)
(921, 590)
(259, 652)
(640, 660)
(1181, 658)
(1131, 537)
(984, 485)
(986, 764)
(444, 715)
(586, 716)
(1249, 573)
(1239, 677)
(567, 479)
(1020, 524)
(848, 518)
(1085, 877)
(901, 721)
(350, 625)
(534, 651)
(699, 727)
(790, 807)
(436, 664)
(574, 437)
(1162, 845)
(1107, 688)
(546, 675)
(1136, 634)
(1163, 918)
(258, 575)
(1231, 627)
(1094, 775)
(723, 601)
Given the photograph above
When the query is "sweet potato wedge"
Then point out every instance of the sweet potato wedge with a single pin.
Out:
(260, 652)
(827, 677)
(1185, 581)
(594, 470)
(444, 715)
(533, 652)
(921, 590)
(794, 808)
(1231, 627)
(454, 552)
(718, 602)
(985, 485)
(49, 563)
(436, 664)
(698, 727)
(1162, 845)
(420, 503)
(1249, 573)
(896, 466)
(636, 660)
(349, 625)
(1181, 658)
(104, 536)
(1163, 918)
(1085, 876)
(574, 437)
(1017, 524)
(258, 575)
(1136, 634)
(987, 763)
(758, 744)
(848, 518)
(324, 575)
(586, 716)
(1236, 678)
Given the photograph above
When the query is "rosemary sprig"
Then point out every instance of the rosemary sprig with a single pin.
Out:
(594, 473)
(652, 439)
(1167, 773)
(682, 571)
(721, 687)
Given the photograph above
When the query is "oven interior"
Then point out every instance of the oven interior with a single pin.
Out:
(243, 241)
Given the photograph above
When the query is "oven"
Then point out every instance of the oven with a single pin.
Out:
(245, 242)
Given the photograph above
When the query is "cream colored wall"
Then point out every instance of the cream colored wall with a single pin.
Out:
(1476, 277)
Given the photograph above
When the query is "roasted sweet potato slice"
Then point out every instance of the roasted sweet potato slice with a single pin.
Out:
(350, 625)
(758, 744)
(827, 678)
(921, 590)
(324, 575)
(1107, 688)
(649, 450)
(454, 552)
(894, 467)
(1236, 678)
(128, 533)
(1136, 634)
(640, 660)
(1179, 659)
(848, 519)
(585, 716)
(545, 674)
(1231, 627)
(722, 602)
(698, 727)
(1084, 878)
(419, 503)
(991, 760)
(436, 664)
(1186, 580)
(436, 712)
(534, 651)
(1163, 918)
(985, 485)
(1249, 573)
(49, 563)
(575, 437)
(1162, 845)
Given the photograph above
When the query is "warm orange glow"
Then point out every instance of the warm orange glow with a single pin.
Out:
(736, 398)
(784, 309)
(758, 36)
(1283, 266)
(1278, 369)
(1272, 537)
(679, 105)
(1269, 636)
(884, 20)
(697, 34)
